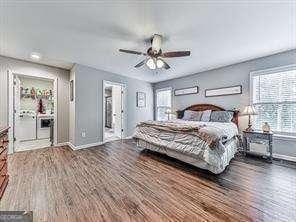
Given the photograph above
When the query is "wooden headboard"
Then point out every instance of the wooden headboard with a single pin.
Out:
(203, 107)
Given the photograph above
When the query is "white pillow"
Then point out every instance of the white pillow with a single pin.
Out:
(206, 116)
(192, 115)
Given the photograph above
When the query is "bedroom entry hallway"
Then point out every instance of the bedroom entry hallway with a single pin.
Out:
(113, 110)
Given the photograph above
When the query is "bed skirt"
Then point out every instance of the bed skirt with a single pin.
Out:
(215, 167)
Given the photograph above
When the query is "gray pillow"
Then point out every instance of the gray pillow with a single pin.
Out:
(206, 116)
(221, 116)
(192, 115)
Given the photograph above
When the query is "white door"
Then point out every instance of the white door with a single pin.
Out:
(117, 110)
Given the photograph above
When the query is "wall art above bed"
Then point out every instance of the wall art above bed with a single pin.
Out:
(224, 91)
(186, 91)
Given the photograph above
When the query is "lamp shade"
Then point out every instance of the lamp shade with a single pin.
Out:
(249, 110)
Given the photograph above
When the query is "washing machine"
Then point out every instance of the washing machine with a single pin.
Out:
(43, 126)
(26, 125)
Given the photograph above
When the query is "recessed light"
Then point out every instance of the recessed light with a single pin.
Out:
(35, 56)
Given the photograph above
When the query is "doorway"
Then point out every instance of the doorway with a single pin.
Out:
(33, 107)
(113, 111)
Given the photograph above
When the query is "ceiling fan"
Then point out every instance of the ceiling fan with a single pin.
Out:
(154, 55)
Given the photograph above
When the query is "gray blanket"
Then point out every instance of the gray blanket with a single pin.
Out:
(188, 137)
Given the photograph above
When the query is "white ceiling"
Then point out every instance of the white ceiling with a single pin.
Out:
(218, 33)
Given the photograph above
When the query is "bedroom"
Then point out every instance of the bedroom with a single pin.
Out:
(200, 163)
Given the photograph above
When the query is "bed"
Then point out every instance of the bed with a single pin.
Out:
(209, 145)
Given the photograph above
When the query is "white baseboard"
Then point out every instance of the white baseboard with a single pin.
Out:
(61, 144)
(71, 145)
(83, 146)
(284, 157)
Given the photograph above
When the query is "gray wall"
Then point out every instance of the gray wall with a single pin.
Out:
(27, 68)
(237, 74)
(89, 103)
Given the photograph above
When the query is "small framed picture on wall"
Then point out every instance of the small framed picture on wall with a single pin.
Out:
(141, 99)
(186, 91)
(224, 91)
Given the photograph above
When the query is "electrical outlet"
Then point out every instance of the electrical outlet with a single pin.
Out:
(83, 134)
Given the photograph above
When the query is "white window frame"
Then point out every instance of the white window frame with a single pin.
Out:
(266, 72)
(156, 106)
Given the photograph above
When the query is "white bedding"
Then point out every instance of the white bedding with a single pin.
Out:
(190, 147)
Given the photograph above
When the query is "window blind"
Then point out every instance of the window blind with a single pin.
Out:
(274, 98)
(163, 103)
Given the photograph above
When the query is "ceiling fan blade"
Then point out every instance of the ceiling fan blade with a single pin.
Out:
(140, 63)
(165, 65)
(175, 54)
(131, 52)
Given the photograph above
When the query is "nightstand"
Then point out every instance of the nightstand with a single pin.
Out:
(258, 136)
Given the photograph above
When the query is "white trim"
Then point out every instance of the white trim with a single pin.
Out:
(55, 110)
(11, 102)
(84, 146)
(71, 145)
(164, 89)
(124, 107)
(10, 111)
(284, 157)
(61, 144)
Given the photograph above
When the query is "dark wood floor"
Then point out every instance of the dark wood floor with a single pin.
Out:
(117, 182)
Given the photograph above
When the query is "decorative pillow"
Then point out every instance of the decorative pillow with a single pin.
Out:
(196, 116)
(192, 115)
(206, 116)
(221, 116)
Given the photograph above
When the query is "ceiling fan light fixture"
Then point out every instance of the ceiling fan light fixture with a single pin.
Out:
(159, 63)
(154, 56)
(151, 64)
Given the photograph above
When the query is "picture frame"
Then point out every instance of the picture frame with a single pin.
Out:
(71, 90)
(186, 91)
(224, 91)
(141, 99)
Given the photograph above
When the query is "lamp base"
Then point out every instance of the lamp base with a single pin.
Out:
(249, 129)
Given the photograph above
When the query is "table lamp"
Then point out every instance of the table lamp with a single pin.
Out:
(249, 111)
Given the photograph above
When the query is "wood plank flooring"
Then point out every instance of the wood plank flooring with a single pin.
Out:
(118, 182)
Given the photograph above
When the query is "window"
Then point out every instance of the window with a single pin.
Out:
(274, 98)
(163, 103)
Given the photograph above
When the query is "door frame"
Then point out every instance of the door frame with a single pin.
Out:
(11, 119)
(123, 108)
